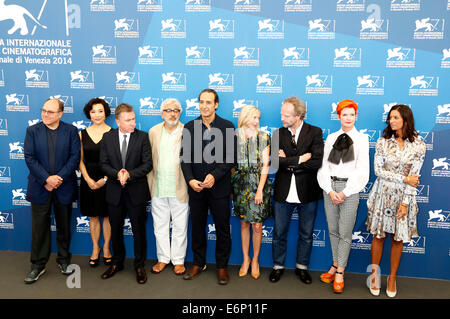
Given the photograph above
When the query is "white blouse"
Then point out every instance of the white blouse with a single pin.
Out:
(357, 171)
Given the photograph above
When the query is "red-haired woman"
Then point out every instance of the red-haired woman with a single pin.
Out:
(344, 173)
(392, 206)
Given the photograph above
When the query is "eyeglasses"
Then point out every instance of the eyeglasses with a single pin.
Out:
(176, 111)
(44, 111)
(293, 142)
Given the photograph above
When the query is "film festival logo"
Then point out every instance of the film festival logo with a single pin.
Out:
(405, 5)
(374, 29)
(36, 79)
(126, 28)
(19, 197)
(445, 62)
(321, 29)
(192, 107)
(33, 122)
(102, 6)
(427, 138)
(267, 234)
(17, 14)
(6, 220)
(240, 103)
(66, 99)
(173, 81)
(429, 29)
(149, 6)
(126, 80)
(112, 102)
(347, 57)
(3, 127)
(386, 108)
(173, 29)
(221, 82)
(364, 194)
(221, 29)
(270, 29)
(401, 58)
(151, 55)
(212, 235)
(422, 85)
(127, 230)
(319, 238)
(16, 102)
(443, 114)
(269, 83)
(81, 125)
(441, 167)
(246, 56)
(104, 54)
(2, 78)
(350, 5)
(370, 85)
(82, 79)
(319, 84)
(150, 105)
(439, 219)
(5, 174)
(16, 150)
(247, 5)
(361, 240)
(196, 55)
(415, 246)
(82, 224)
(373, 136)
(298, 6)
(197, 6)
(295, 57)
(423, 194)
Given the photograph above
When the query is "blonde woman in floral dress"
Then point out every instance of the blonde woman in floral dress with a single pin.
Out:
(392, 206)
(250, 185)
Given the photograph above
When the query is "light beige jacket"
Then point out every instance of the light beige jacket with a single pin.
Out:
(154, 135)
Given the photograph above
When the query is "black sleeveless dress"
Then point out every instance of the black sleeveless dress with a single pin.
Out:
(92, 202)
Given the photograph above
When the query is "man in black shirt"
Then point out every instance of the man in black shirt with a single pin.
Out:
(207, 156)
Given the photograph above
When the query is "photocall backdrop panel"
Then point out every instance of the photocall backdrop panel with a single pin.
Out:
(258, 52)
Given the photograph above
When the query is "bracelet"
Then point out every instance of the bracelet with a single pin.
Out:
(404, 205)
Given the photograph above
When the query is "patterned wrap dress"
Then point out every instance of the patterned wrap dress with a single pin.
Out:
(392, 165)
(245, 180)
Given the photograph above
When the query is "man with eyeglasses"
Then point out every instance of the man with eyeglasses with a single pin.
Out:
(168, 189)
(52, 154)
(300, 150)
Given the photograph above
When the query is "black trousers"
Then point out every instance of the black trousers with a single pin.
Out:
(220, 211)
(138, 218)
(40, 231)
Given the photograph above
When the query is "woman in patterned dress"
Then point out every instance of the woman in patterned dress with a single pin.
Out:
(392, 206)
(250, 185)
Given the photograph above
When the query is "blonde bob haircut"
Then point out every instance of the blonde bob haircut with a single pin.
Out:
(247, 113)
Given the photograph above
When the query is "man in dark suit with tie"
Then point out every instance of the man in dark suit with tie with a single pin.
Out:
(126, 159)
(299, 147)
(207, 156)
(52, 154)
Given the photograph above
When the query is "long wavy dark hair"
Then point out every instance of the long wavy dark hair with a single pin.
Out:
(408, 130)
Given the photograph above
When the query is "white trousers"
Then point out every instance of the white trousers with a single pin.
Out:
(163, 210)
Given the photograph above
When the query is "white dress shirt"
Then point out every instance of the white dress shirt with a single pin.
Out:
(293, 195)
(357, 171)
(121, 136)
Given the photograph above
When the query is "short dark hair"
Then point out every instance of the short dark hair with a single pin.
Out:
(60, 103)
(123, 107)
(216, 96)
(408, 130)
(88, 107)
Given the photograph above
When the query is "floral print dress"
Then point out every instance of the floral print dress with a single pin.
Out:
(392, 165)
(245, 180)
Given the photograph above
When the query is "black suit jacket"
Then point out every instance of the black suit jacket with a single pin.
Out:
(310, 140)
(220, 169)
(138, 163)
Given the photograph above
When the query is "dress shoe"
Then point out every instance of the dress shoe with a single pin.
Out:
(243, 271)
(276, 274)
(222, 276)
(255, 274)
(141, 275)
(111, 271)
(391, 294)
(338, 287)
(304, 275)
(193, 272)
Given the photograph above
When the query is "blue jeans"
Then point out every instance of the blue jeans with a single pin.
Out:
(282, 219)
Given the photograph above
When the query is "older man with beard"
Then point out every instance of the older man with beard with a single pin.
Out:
(168, 189)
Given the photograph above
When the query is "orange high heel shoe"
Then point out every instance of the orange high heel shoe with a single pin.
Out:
(242, 271)
(338, 287)
(327, 277)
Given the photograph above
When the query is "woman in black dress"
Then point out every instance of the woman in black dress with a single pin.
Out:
(92, 190)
